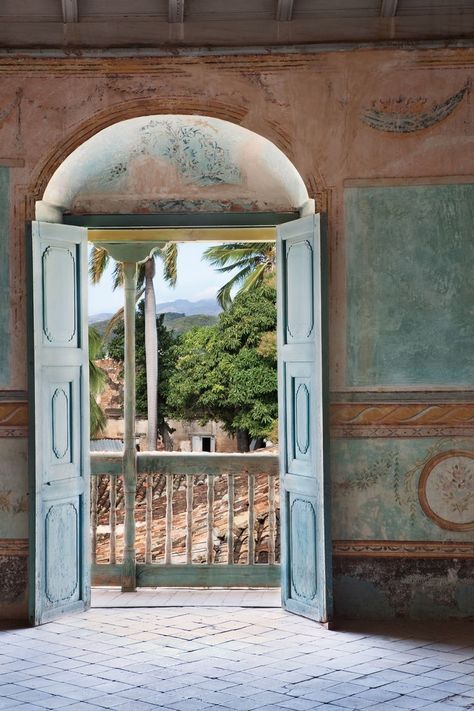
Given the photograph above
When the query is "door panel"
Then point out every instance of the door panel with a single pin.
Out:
(59, 422)
(306, 550)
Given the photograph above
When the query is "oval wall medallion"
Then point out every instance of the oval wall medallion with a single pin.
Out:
(446, 490)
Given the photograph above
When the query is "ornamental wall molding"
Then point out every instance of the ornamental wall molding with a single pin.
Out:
(403, 549)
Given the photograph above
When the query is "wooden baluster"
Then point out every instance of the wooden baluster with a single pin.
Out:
(189, 518)
(271, 519)
(230, 519)
(169, 518)
(148, 517)
(113, 518)
(251, 519)
(210, 518)
(94, 487)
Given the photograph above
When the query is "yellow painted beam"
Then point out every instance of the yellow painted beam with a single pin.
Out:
(184, 234)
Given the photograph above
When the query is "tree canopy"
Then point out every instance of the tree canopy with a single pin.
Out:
(227, 372)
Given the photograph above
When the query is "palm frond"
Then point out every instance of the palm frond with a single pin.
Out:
(117, 275)
(169, 255)
(98, 260)
(118, 315)
(224, 296)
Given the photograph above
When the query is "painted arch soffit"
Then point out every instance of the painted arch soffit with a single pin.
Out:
(175, 163)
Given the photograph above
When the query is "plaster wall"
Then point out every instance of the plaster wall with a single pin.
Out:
(400, 120)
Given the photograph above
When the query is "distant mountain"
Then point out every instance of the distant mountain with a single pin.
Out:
(93, 318)
(177, 322)
(207, 307)
(181, 307)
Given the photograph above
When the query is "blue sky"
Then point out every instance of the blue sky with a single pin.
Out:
(196, 280)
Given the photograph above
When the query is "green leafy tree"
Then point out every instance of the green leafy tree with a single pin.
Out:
(97, 380)
(166, 340)
(227, 372)
(99, 258)
(255, 262)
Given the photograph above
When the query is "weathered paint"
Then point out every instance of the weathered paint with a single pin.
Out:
(410, 290)
(13, 586)
(13, 488)
(310, 107)
(382, 588)
(5, 313)
(375, 488)
(146, 162)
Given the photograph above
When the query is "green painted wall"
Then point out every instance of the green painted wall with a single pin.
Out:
(4, 276)
(375, 488)
(410, 285)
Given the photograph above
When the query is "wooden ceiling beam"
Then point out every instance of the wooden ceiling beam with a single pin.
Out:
(284, 10)
(389, 8)
(176, 11)
(70, 10)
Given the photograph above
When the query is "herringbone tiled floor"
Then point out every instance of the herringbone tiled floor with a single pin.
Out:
(233, 659)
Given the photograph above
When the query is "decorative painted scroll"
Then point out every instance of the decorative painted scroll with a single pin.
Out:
(405, 115)
(13, 419)
(401, 419)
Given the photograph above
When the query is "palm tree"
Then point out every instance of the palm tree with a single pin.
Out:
(99, 259)
(254, 260)
(97, 379)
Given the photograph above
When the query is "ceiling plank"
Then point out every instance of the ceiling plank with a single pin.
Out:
(70, 10)
(175, 10)
(284, 11)
(389, 8)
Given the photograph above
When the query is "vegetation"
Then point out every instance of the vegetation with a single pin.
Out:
(99, 259)
(227, 372)
(97, 380)
(255, 261)
(166, 341)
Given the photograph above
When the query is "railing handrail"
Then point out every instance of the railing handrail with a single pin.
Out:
(212, 464)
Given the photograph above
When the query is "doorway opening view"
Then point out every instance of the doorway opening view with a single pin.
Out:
(214, 329)
(206, 459)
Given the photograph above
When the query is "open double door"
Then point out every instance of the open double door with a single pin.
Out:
(59, 422)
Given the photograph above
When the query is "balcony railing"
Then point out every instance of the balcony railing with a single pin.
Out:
(200, 519)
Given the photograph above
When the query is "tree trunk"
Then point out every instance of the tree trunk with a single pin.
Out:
(243, 440)
(151, 354)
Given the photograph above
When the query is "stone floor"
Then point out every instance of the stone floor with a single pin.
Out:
(233, 659)
(187, 597)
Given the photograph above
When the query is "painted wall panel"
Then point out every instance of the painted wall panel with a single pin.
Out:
(375, 488)
(13, 488)
(4, 276)
(410, 292)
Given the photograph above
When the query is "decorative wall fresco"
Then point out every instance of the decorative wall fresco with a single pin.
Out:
(375, 489)
(446, 490)
(405, 115)
(150, 162)
(13, 488)
(4, 276)
(409, 285)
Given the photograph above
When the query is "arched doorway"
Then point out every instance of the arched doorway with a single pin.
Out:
(180, 176)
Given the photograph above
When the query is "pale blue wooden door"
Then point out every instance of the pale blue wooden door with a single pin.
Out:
(305, 534)
(59, 422)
